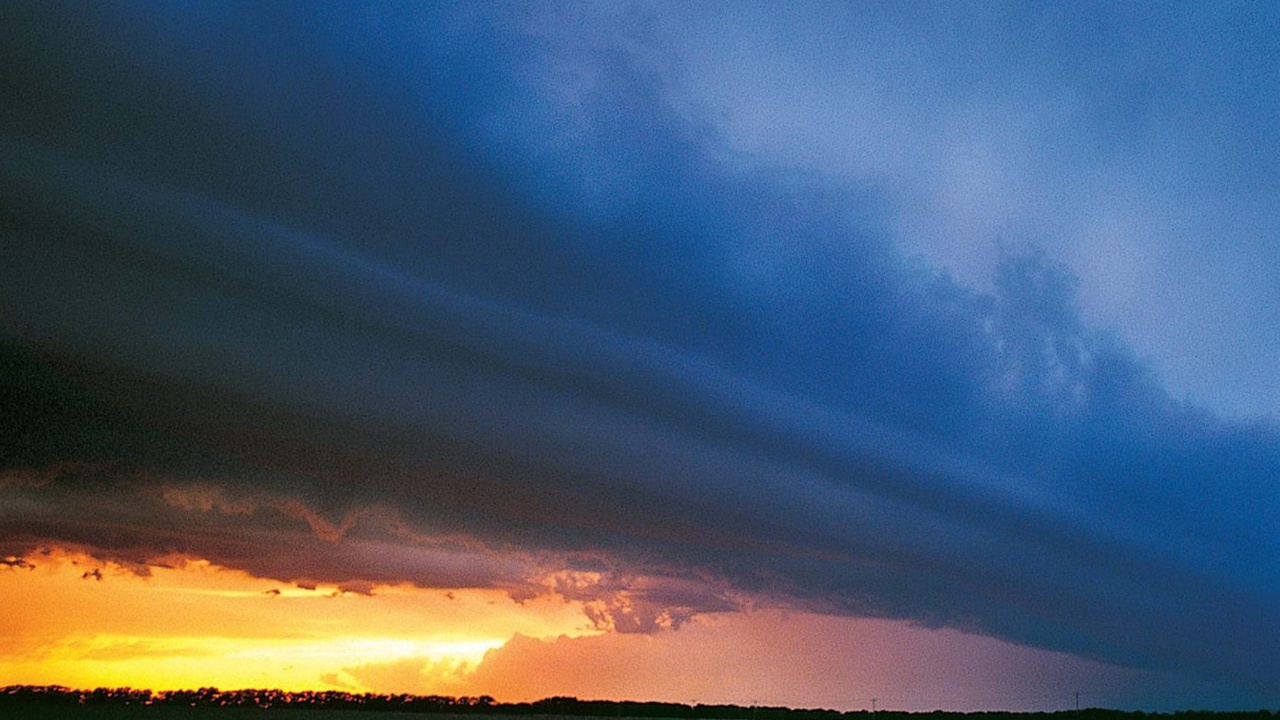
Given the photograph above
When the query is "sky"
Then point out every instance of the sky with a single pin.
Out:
(799, 353)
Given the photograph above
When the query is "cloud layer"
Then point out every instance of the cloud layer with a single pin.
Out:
(429, 295)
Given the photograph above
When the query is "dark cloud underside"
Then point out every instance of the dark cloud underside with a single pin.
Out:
(313, 262)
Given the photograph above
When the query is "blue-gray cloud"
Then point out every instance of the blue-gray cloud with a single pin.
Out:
(442, 262)
(1132, 142)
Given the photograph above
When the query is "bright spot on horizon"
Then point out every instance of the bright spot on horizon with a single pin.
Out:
(197, 624)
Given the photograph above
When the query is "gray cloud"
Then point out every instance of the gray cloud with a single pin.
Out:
(465, 329)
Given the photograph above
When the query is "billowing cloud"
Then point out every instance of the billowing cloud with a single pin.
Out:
(440, 298)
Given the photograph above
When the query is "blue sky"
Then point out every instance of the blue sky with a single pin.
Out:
(959, 315)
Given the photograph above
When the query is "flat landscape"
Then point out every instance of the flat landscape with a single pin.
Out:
(35, 711)
(35, 702)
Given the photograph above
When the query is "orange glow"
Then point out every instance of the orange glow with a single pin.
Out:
(196, 624)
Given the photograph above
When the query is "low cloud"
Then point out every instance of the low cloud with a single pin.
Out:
(625, 603)
(137, 526)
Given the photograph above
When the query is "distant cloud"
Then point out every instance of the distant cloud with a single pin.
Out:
(806, 660)
(415, 674)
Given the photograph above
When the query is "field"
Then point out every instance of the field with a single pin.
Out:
(41, 711)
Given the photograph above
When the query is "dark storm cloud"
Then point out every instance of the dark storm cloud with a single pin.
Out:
(323, 262)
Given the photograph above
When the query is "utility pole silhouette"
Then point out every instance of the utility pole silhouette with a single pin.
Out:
(873, 706)
(1077, 701)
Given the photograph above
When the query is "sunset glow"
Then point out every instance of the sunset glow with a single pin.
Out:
(196, 624)
(193, 624)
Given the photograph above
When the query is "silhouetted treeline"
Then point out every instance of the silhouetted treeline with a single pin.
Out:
(56, 695)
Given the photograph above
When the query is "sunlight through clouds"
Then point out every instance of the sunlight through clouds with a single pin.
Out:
(196, 624)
